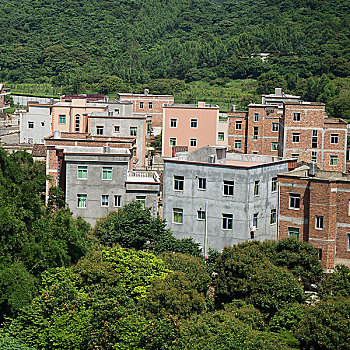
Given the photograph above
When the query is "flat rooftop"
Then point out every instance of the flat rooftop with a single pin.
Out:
(95, 150)
(304, 172)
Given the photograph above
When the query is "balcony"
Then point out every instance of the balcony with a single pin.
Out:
(143, 176)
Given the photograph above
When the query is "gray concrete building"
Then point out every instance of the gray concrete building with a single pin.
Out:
(219, 198)
(36, 123)
(120, 122)
(97, 180)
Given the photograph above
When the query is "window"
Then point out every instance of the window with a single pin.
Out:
(228, 188)
(256, 188)
(82, 172)
(296, 116)
(133, 131)
(30, 125)
(106, 173)
(296, 137)
(274, 184)
(117, 201)
(320, 254)
(295, 156)
(314, 139)
(179, 183)
(238, 144)
(238, 125)
(314, 156)
(177, 215)
(202, 183)
(227, 220)
(252, 234)
(255, 220)
(116, 128)
(30, 140)
(319, 222)
(99, 130)
(77, 123)
(274, 126)
(274, 146)
(256, 117)
(273, 216)
(193, 142)
(200, 215)
(293, 232)
(172, 141)
(194, 123)
(105, 200)
(256, 133)
(220, 136)
(334, 139)
(294, 201)
(173, 123)
(42, 123)
(81, 200)
(142, 200)
(116, 110)
(333, 160)
(141, 105)
(62, 119)
(150, 105)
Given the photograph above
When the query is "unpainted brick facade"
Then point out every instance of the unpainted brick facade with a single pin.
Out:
(237, 131)
(148, 105)
(322, 216)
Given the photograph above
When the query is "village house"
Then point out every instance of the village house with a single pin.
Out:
(96, 174)
(219, 198)
(315, 208)
(3, 93)
(189, 127)
(149, 105)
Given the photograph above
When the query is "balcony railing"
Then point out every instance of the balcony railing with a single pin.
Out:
(143, 175)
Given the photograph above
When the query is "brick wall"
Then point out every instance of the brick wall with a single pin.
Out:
(234, 133)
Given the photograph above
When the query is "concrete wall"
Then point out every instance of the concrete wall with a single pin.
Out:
(124, 124)
(94, 187)
(242, 205)
(41, 117)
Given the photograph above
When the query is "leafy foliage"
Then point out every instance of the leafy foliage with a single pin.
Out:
(336, 284)
(134, 227)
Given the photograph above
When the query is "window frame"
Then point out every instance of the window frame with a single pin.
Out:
(333, 160)
(227, 222)
(256, 188)
(255, 220)
(273, 216)
(314, 139)
(294, 234)
(296, 136)
(117, 129)
(142, 199)
(238, 142)
(202, 183)
(227, 186)
(334, 136)
(172, 140)
(100, 128)
(200, 214)
(177, 214)
(296, 116)
(274, 183)
(117, 201)
(194, 123)
(105, 200)
(30, 124)
(256, 133)
(81, 198)
(133, 131)
(178, 183)
(294, 201)
(274, 146)
(274, 127)
(256, 117)
(141, 105)
(319, 222)
(107, 170)
(62, 117)
(295, 156)
(173, 121)
(238, 123)
(221, 136)
(150, 105)
(85, 170)
(193, 142)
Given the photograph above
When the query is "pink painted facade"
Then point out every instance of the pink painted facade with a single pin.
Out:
(72, 116)
(192, 126)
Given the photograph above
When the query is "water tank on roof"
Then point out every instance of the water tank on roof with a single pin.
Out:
(233, 108)
(146, 92)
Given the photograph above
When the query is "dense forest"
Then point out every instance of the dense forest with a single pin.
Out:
(129, 284)
(108, 46)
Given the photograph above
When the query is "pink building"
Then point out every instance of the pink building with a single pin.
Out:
(191, 127)
(72, 116)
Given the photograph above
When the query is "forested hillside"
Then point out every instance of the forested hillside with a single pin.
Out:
(76, 41)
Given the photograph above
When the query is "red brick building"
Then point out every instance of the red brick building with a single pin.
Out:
(297, 129)
(149, 105)
(314, 207)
